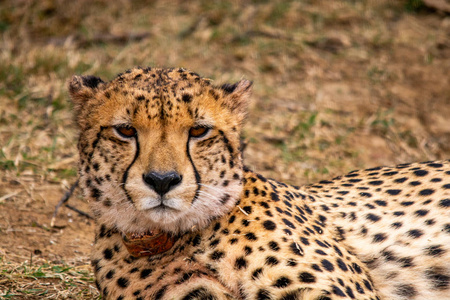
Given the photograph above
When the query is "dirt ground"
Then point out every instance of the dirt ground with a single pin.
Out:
(338, 85)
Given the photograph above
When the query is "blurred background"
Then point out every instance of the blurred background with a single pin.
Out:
(338, 85)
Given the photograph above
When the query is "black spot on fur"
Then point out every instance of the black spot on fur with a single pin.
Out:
(199, 293)
(320, 252)
(379, 237)
(381, 202)
(390, 173)
(291, 296)
(250, 236)
(447, 228)
(296, 249)
(186, 276)
(435, 250)
(421, 212)
(426, 192)
(282, 282)
(341, 265)
(349, 292)
(393, 192)
(122, 282)
(375, 182)
(338, 291)
(271, 261)
(110, 274)
(263, 295)
(247, 209)
(306, 277)
(400, 180)
(367, 285)
(225, 198)
(435, 165)
(373, 217)
(216, 255)
(108, 254)
(444, 202)
(288, 223)
(274, 246)
(327, 265)
(430, 222)
(291, 262)
(274, 197)
(240, 263)
(389, 255)
(420, 173)
(359, 288)
(216, 226)
(316, 268)
(397, 225)
(264, 204)
(196, 241)
(186, 98)
(145, 273)
(415, 233)
(256, 273)
(405, 290)
(96, 193)
(161, 293)
(439, 279)
(406, 262)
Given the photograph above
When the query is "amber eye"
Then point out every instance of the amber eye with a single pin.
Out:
(125, 131)
(198, 131)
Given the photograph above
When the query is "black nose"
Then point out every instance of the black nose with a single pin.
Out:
(162, 182)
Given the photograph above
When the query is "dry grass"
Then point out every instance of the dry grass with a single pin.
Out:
(45, 280)
(338, 85)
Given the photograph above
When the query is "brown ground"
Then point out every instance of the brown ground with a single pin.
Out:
(338, 85)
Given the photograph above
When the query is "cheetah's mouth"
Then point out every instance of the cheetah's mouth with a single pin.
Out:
(147, 244)
(159, 204)
(162, 207)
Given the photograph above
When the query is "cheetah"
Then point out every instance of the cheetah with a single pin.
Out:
(179, 216)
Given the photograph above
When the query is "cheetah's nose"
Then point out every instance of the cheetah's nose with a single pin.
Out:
(162, 182)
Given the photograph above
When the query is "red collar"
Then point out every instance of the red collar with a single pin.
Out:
(148, 244)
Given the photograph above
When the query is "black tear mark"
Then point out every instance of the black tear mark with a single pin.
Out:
(125, 175)
(197, 175)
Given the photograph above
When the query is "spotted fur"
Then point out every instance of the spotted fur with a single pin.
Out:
(382, 233)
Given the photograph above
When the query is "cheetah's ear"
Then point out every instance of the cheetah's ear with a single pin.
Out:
(237, 97)
(81, 88)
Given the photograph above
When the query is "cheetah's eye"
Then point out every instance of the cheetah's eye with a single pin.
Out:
(125, 131)
(198, 131)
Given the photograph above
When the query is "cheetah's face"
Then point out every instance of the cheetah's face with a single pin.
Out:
(159, 149)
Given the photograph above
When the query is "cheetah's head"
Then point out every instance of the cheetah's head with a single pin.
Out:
(159, 148)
